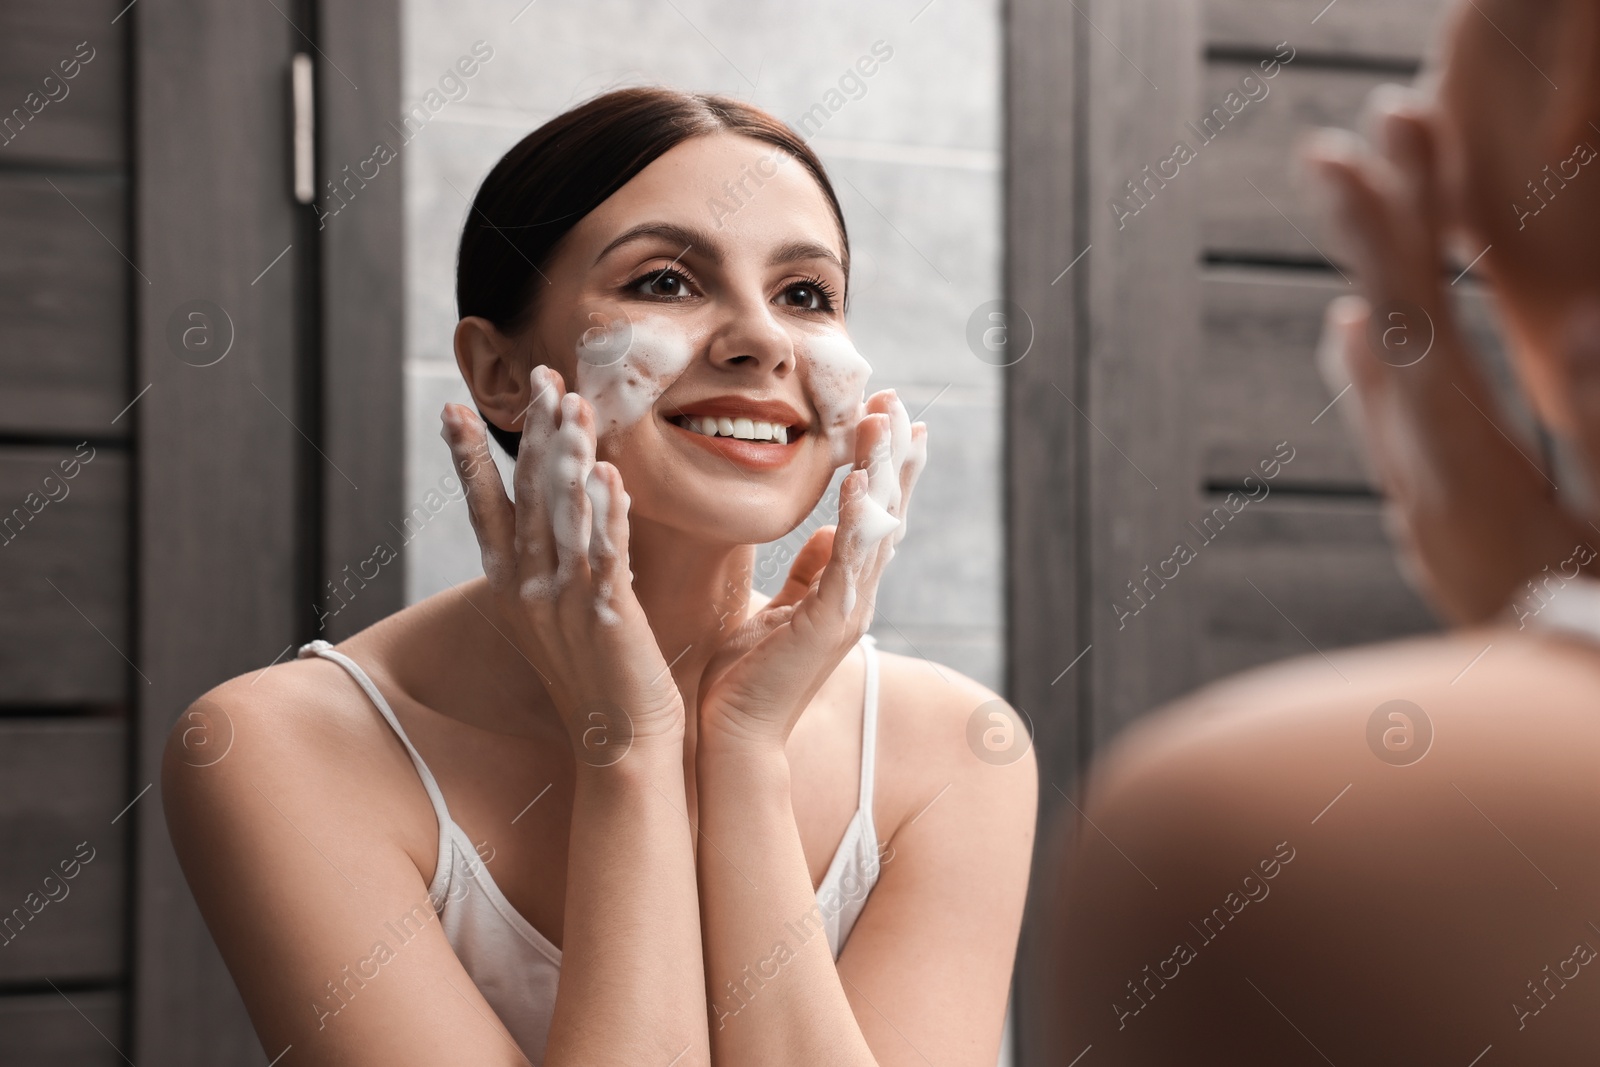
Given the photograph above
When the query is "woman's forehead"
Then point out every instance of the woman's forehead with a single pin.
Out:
(735, 192)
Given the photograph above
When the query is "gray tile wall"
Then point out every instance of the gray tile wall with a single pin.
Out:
(916, 160)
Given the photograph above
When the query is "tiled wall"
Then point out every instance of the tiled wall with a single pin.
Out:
(915, 159)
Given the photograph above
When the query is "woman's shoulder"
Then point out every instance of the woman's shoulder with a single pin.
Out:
(301, 735)
(1486, 689)
(941, 728)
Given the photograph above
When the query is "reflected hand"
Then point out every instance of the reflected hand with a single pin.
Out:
(1473, 515)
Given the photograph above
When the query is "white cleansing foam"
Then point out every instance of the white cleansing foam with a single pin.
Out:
(623, 368)
(836, 376)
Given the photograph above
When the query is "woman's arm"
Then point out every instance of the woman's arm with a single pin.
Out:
(631, 964)
(928, 963)
(557, 561)
(291, 851)
(926, 971)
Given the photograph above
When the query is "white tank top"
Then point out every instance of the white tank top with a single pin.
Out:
(514, 966)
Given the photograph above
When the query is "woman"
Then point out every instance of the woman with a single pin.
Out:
(660, 819)
(1396, 863)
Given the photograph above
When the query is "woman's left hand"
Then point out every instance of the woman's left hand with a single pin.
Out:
(767, 671)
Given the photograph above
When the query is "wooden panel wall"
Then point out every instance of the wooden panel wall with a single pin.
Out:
(65, 525)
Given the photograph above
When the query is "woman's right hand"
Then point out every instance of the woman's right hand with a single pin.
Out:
(1474, 514)
(557, 563)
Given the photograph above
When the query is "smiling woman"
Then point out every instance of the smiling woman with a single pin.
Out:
(612, 691)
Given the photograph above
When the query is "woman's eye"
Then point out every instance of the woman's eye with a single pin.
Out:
(808, 296)
(663, 283)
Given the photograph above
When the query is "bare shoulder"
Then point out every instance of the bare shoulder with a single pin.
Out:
(295, 822)
(1475, 687)
(300, 734)
(942, 732)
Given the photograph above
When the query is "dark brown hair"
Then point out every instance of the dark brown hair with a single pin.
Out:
(556, 175)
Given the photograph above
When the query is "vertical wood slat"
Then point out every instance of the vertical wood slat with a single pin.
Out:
(1043, 450)
(1143, 309)
(363, 319)
(216, 449)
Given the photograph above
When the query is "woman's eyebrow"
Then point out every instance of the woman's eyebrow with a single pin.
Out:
(805, 250)
(684, 236)
(689, 239)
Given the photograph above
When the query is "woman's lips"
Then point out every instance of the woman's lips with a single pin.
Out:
(754, 455)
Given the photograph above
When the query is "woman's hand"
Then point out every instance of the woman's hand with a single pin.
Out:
(767, 671)
(1473, 514)
(557, 563)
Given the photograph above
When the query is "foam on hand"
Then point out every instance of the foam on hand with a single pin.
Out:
(624, 367)
(600, 545)
(836, 376)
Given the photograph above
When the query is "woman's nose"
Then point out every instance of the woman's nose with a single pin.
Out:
(750, 335)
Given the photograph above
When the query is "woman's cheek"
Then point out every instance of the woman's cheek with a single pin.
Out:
(836, 375)
(624, 367)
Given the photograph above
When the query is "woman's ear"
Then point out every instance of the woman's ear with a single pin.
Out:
(494, 370)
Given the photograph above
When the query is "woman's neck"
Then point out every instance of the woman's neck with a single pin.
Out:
(694, 592)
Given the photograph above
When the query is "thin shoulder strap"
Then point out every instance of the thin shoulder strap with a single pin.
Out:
(869, 725)
(326, 651)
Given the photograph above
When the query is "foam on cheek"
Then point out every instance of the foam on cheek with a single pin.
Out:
(624, 390)
(836, 375)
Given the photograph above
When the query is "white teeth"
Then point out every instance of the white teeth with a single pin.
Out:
(742, 428)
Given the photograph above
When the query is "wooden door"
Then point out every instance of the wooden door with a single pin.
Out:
(199, 427)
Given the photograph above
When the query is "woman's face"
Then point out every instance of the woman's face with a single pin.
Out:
(708, 291)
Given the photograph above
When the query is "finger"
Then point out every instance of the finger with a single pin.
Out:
(874, 447)
(488, 508)
(535, 545)
(916, 460)
(608, 540)
(1407, 141)
(566, 476)
(899, 445)
(837, 592)
(808, 563)
(899, 452)
(1364, 228)
(1350, 372)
